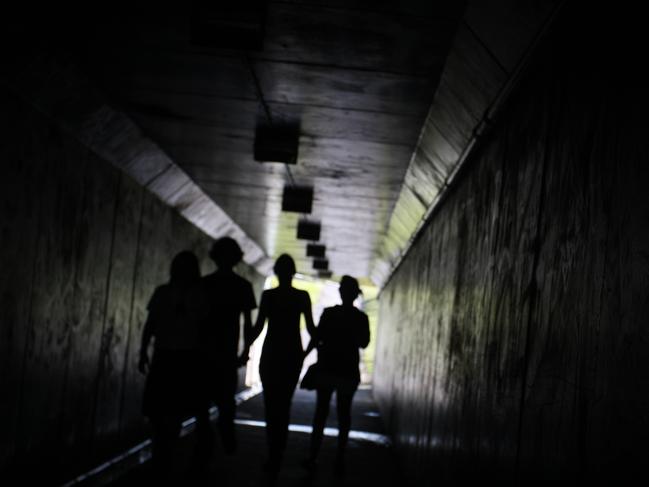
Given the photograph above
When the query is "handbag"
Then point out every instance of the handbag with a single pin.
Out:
(311, 379)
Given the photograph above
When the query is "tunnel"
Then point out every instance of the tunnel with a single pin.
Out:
(481, 167)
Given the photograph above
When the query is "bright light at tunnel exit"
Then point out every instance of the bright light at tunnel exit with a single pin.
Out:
(323, 294)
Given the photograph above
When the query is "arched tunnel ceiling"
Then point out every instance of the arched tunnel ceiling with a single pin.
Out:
(358, 78)
(387, 97)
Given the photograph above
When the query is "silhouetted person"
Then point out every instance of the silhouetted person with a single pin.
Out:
(170, 392)
(282, 353)
(227, 296)
(342, 330)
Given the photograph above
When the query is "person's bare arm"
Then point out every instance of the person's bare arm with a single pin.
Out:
(316, 335)
(364, 333)
(255, 331)
(147, 333)
(312, 344)
(308, 315)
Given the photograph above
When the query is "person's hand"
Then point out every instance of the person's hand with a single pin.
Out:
(143, 364)
(242, 360)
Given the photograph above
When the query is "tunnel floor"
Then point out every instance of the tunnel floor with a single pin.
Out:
(370, 459)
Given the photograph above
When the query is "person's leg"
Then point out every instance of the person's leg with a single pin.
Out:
(323, 398)
(271, 408)
(227, 409)
(166, 430)
(204, 436)
(157, 445)
(284, 412)
(344, 399)
(279, 405)
(204, 388)
(269, 413)
(279, 386)
(282, 418)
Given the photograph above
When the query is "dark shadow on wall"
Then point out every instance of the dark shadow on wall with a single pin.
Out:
(520, 312)
(82, 247)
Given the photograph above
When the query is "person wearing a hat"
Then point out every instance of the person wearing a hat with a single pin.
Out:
(342, 330)
(227, 297)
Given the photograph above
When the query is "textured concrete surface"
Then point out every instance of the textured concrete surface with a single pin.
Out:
(82, 248)
(53, 83)
(356, 78)
(491, 39)
(513, 339)
(368, 463)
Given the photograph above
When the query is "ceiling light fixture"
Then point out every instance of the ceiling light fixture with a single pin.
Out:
(276, 143)
(308, 230)
(297, 199)
(315, 250)
(321, 264)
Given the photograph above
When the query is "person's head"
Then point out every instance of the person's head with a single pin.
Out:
(226, 253)
(349, 289)
(184, 268)
(284, 268)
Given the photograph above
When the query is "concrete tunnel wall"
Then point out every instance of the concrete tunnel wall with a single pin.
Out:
(82, 248)
(513, 340)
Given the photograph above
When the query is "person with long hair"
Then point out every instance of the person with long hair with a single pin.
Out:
(342, 330)
(170, 392)
(282, 354)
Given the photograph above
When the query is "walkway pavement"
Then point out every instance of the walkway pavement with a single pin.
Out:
(370, 460)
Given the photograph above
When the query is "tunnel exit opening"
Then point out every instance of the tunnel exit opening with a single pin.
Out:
(323, 294)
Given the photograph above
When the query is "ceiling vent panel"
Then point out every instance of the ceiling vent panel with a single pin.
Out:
(321, 264)
(298, 199)
(276, 143)
(308, 230)
(315, 250)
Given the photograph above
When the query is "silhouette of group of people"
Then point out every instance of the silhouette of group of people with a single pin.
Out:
(196, 326)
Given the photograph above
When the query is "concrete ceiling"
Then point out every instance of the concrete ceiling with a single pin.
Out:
(357, 77)
(389, 97)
